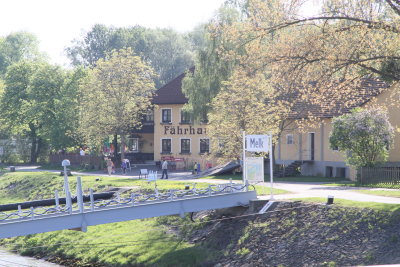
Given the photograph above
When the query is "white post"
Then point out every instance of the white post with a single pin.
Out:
(133, 199)
(66, 184)
(79, 193)
(91, 200)
(69, 202)
(19, 210)
(57, 200)
(244, 157)
(271, 171)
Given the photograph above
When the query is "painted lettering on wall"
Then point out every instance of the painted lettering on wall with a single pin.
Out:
(172, 130)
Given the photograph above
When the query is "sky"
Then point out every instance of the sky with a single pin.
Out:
(57, 22)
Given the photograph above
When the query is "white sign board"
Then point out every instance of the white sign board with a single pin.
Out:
(257, 143)
(255, 169)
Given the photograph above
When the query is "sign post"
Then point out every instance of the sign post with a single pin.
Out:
(257, 143)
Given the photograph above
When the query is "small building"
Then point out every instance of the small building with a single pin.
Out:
(170, 133)
(309, 149)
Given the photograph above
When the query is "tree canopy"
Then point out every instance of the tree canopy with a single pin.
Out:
(168, 52)
(115, 96)
(39, 101)
(366, 135)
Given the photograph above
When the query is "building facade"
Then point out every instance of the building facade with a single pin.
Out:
(311, 146)
(170, 133)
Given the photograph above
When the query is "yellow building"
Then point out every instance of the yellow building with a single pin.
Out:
(309, 149)
(170, 133)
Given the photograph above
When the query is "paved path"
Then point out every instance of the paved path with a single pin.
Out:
(314, 189)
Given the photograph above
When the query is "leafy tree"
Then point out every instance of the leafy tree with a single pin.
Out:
(366, 134)
(115, 97)
(241, 105)
(16, 47)
(40, 102)
(168, 52)
(211, 68)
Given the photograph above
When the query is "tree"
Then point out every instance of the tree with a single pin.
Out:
(40, 102)
(211, 68)
(16, 47)
(309, 64)
(116, 95)
(168, 52)
(241, 105)
(366, 134)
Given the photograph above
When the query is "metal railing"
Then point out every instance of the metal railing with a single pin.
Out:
(133, 200)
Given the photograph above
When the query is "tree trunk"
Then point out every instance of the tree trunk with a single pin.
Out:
(122, 147)
(33, 143)
(115, 142)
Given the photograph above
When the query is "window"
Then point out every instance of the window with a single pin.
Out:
(133, 144)
(186, 117)
(166, 146)
(166, 115)
(204, 146)
(185, 146)
(328, 171)
(289, 139)
(150, 116)
(335, 148)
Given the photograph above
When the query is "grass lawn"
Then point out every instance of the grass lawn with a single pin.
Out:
(385, 193)
(280, 179)
(59, 167)
(353, 204)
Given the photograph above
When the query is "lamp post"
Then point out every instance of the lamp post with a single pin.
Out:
(66, 163)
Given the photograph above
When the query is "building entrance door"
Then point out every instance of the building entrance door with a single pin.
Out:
(311, 138)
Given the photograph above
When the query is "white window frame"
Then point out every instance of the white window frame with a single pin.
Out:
(209, 145)
(181, 110)
(137, 141)
(161, 145)
(150, 112)
(288, 136)
(161, 118)
(180, 144)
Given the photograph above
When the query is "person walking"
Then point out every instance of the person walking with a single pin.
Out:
(164, 168)
(123, 166)
(109, 164)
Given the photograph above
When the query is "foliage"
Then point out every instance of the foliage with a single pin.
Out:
(16, 47)
(241, 105)
(40, 102)
(366, 134)
(168, 52)
(204, 83)
(315, 62)
(115, 96)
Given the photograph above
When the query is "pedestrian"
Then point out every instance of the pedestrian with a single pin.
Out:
(123, 166)
(109, 164)
(164, 168)
(82, 152)
(198, 168)
(195, 168)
